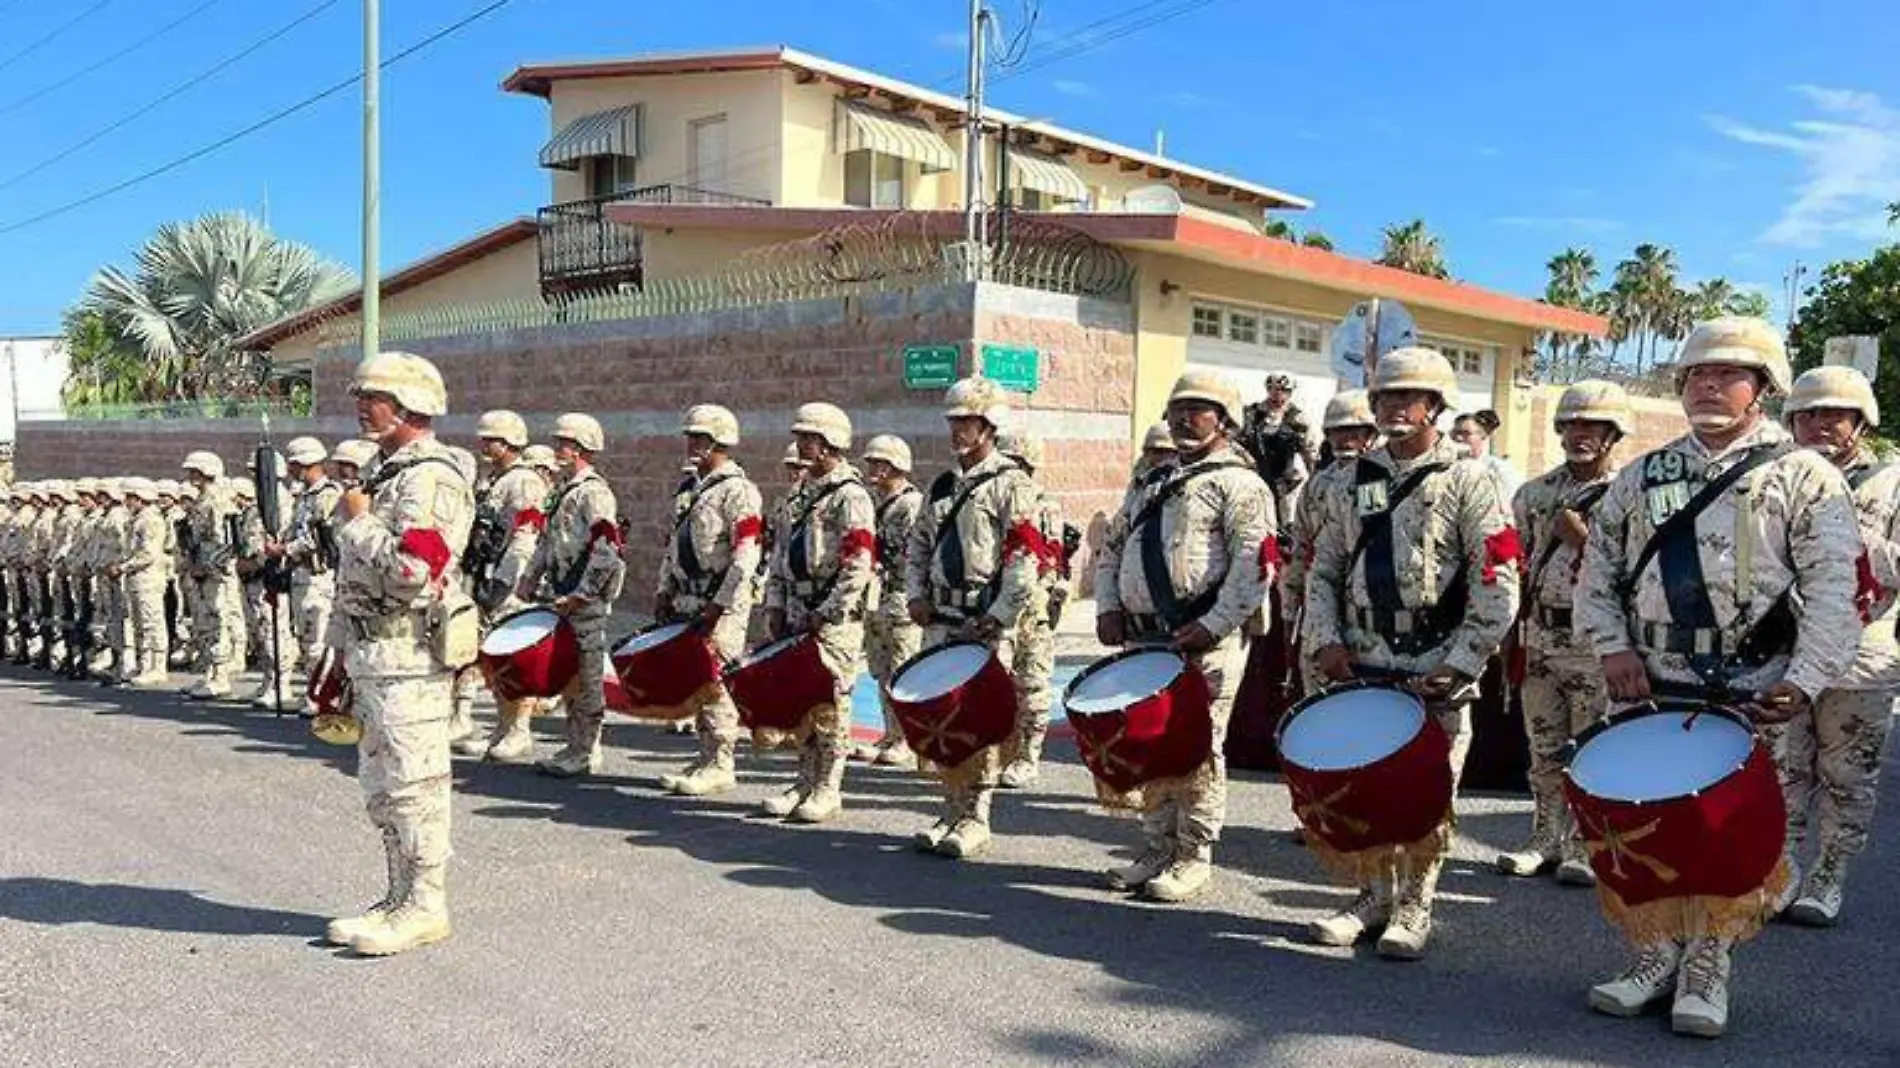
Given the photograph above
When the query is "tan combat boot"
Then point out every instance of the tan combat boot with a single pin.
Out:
(1154, 858)
(1575, 868)
(1410, 928)
(713, 774)
(1023, 771)
(1651, 978)
(1545, 847)
(1819, 904)
(1188, 874)
(422, 919)
(971, 834)
(216, 685)
(781, 805)
(1369, 911)
(343, 931)
(825, 801)
(151, 670)
(932, 836)
(581, 755)
(1701, 1007)
(461, 719)
(895, 754)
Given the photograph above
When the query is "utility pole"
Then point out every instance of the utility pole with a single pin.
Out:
(372, 179)
(1792, 281)
(973, 228)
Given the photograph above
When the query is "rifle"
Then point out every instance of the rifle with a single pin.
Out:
(276, 580)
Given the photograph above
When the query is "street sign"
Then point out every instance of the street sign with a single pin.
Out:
(1013, 367)
(930, 366)
(1372, 329)
(1859, 352)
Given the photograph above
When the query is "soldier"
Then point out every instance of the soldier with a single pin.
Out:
(12, 503)
(706, 576)
(1351, 432)
(819, 583)
(1157, 450)
(468, 679)
(146, 569)
(1561, 685)
(218, 620)
(1035, 649)
(54, 595)
(72, 530)
(541, 458)
(174, 498)
(973, 580)
(890, 637)
(793, 468)
(112, 616)
(22, 583)
(308, 550)
(353, 461)
(1417, 581)
(267, 593)
(1209, 527)
(578, 562)
(1710, 617)
(1830, 761)
(1274, 434)
(508, 523)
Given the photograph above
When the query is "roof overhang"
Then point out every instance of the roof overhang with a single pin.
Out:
(1178, 235)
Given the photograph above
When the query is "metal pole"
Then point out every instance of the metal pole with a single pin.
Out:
(372, 179)
(973, 135)
(1003, 207)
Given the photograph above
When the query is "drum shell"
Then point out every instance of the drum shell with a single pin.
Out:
(952, 727)
(668, 675)
(1167, 735)
(1722, 841)
(1399, 799)
(543, 669)
(328, 688)
(778, 692)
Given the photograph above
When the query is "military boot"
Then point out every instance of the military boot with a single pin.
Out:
(782, 804)
(461, 719)
(151, 670)
(214, 686)
(932, 836)
(1650, 979)
(1819, 904)
(1574, 869)
(895, 754)
(1188, 874)
(1156, 854)
(825, 801)
(1701, 1007)
(422, 919)
(511, 742)
(1410, 927)
(971, 834)
(1369, 911)
(1023, 771)
(581, 755)
(1545, 847)
(342, 931)
(1793, 889)
(712, 774)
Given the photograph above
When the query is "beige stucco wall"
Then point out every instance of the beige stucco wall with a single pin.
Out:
(749, 100)
(675, 253)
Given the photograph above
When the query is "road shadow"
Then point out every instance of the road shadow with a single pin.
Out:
(59, 902)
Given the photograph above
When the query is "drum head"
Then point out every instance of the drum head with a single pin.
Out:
(1351, 728)
(1650, 756)
(1120, 682)
(650, 638)
(939, 671)
(520, 631)
(768, 651)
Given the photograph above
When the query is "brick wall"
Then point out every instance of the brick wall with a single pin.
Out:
(1659, 420)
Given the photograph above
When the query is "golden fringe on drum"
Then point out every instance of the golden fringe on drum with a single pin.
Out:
(1142, 724)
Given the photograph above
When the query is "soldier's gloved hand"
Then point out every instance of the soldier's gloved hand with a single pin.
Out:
(1335, 662)
(663, 609)
(775, 623)
(355, 502)
(1440, 682)
(1571, 528)
(1778, 704)
(985, 628)
(919, 613)
(1193, 638)
(1625, 677)
(710, 615)
(569, 604)
(1111, 628)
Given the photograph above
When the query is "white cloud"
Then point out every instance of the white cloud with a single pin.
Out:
(1850, 159)
(1583, 224)
(1070, 87)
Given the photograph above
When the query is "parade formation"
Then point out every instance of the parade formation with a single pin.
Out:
(1701, 637)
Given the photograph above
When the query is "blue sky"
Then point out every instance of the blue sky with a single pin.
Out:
(1745, 136)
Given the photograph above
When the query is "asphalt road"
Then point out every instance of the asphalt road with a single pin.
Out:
(165, 869)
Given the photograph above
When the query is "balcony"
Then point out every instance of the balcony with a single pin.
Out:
(582, 251)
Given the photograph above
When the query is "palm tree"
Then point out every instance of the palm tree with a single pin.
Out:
(1713, 297)
(1279, 228)
(1749, 302)
(199, 285)
(1573, 273)
(1648, 280)
(1317, 239)
(1893, 213)
(1414, 248)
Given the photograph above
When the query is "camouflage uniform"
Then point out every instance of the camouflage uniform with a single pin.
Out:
(1322, 500)
(820, 577)
(219, 616)
(1034, 664)
(110, 546)
(890, 636)
(1214, 530)
(147, 568)
(22, 583)
(63, 560)
(41, 543)
(515, 498)
(265, 608)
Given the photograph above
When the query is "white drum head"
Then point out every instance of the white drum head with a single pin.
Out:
(1114, 687)
(648, 639)
(939, 672)
(1352, 729)
(767, 652)
(1652, 758)
(520, 632)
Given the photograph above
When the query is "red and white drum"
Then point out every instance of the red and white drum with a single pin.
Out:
(1140, 715)
(530, 653)
(953, 701)
(663, 670)
(1367, 768)
(329, 693)
(779, 684)
(1677, 800)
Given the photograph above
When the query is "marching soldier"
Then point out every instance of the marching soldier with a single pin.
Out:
(578, 562)
(1035, 650)
(508, 523)
(890, 637)
(12, 504)
(1208, 526)
(354, 461)
(1561, 685)
(1418, 580)
(1830, 760)
(218, 620)
(146, 570)
(707, 576)
(69, 535)
(308, 549)
(1274, 433)
(1668, 600)
(22, 583)
(541, 458)
(970, 571)
(468, 679)
(42, 542)
(109, 553)
(176, 497)
(1351, 432)
(819, 583)
(267, 592)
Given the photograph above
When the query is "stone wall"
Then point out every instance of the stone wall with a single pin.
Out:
(1659, 420)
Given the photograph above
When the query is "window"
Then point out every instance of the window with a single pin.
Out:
(1032, 200)
(1243, 327)
(1306, 337)
(609, 175)
(708, 147)
(1206, 321)
(1472, 361)
(1278, 333)
(873, 180)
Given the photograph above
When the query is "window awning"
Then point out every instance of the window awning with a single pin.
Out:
(603, 133)
(1045, 174)
(894, 135)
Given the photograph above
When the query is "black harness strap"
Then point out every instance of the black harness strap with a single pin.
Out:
(885, 551)
(683, 538)
(1375, 533)
(797, 550)
(1673, 544)
(1585, 503)
(1169, 607)
(949, 547)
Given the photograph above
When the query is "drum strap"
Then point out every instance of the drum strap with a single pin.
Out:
(1375, 533)
(1173, 612)
(1673, 543)
(949, 547)
(1583, 505)
(683, 538)
(797, 549)
(888, 555)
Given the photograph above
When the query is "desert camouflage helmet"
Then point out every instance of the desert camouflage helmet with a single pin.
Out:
(1159, 437)
(504, 426)
(1210, 387)
(977, 398)
(306, 451)
(1416, 368)
(792, 459)
(1594, 400)
(1833, 387)
(1736, 341)
(203, 463)
(356, 452)
(714, 421)
(142, 489)
(539, 457)
(891, 449)
(1024, 448)
(1347, 409)
(411, 381)
(828, 421)
(581, 429)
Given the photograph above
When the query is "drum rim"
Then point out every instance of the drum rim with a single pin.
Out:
(1293, 712)
(1108, 661)
(898, 671)
(1657, 707)
(757, 656)
(616, 647)
(559, 622)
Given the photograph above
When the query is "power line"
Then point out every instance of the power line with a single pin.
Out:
(195, 80)
(268, 120)
(1090, 42)
(8, 109)
(51, 35)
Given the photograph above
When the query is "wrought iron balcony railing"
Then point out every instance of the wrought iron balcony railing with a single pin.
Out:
(582, 250)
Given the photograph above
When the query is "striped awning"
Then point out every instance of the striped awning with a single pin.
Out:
(604, 133)
(1045, 174)
(863, 127)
